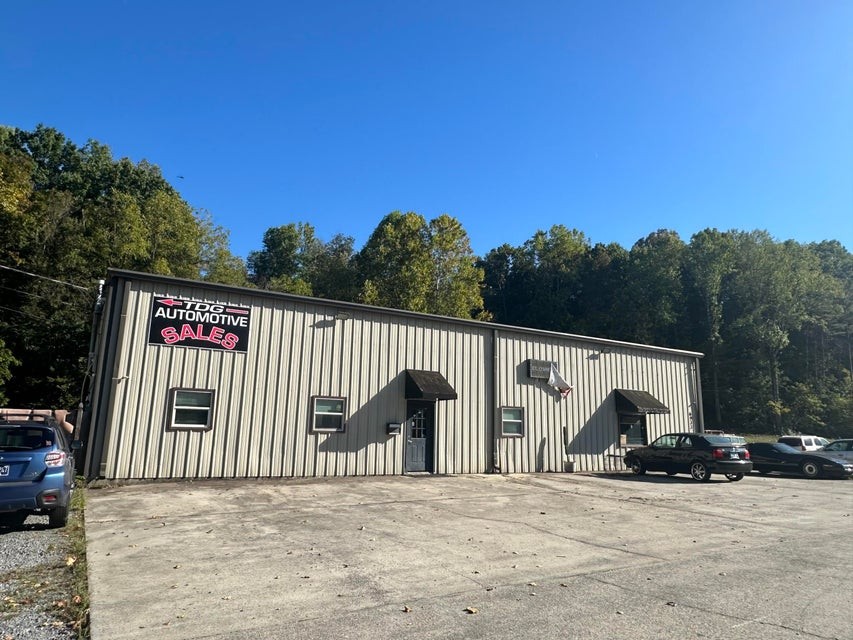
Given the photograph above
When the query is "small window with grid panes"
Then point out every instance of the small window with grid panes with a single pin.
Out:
(328, 414)
(512, 422)
(190, 409)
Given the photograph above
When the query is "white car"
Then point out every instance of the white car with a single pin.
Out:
(734, 439)
(841, 448)
(804, 443)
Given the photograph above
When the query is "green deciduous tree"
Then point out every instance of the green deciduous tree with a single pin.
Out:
(554, 260)
(540, 283)
(332, 273)
(218, 264)
(456, 278)
(7, 361)
(395, 267)
(603, 293)
(654, 290)
(173, 242)
(282, 263)
(709, 263)
(67, 214)
(499, 290)
(766, 305)
(410, 264)
(294, 260)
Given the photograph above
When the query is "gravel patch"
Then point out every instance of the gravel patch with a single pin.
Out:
(32, 570)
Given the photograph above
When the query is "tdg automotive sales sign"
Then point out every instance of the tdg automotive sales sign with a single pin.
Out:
(204, 325)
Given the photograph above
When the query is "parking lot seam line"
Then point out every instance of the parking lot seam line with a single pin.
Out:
(552, 533)
(742, 621)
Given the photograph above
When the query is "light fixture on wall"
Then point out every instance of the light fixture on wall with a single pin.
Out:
(342, 315)
(604, 350)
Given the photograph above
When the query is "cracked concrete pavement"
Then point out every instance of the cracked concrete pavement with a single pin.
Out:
(480, 556)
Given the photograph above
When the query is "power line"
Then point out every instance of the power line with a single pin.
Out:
(35, 275)
(26, 293)
(29, 315)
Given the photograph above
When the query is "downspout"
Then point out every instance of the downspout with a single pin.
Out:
(104, 357)
(700, 408)
(97, 312)
(496, 440)
(84, 407)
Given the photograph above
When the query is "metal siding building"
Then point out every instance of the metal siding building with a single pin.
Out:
(308, 360)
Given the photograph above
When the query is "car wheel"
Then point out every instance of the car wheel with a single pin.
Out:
(637, 467)
(699, 471)
(810, 469)
(734, 477)
(58, 517)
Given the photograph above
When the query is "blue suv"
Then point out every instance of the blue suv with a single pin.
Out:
(36, 470)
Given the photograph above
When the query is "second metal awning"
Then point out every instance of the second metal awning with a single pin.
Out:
(428, 385)
(642, 402)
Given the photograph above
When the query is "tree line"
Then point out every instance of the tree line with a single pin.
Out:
(774, 319)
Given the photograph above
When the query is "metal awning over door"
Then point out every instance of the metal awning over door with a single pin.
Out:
(641, 402)
(428, 385)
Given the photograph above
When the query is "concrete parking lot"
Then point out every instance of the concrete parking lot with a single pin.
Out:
(544, 556)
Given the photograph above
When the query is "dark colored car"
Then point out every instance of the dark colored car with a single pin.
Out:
(36, 470)
(777, 456)
(694, 453)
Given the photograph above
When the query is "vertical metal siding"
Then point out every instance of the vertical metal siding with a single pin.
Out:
(261, 420)
(298, 350)
(584, 426)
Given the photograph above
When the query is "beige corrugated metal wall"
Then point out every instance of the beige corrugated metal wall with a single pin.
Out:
(298, 349)
(261, 420)
(583, 427)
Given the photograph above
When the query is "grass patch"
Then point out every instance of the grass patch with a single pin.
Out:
(75, 610)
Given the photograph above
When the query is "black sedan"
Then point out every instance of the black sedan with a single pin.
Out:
(698, 454)
(776, 456)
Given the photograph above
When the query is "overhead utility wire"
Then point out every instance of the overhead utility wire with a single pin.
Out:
(23, 313)
(35, 275)
(26, 293)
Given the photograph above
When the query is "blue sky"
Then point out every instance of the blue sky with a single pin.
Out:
(615, 118)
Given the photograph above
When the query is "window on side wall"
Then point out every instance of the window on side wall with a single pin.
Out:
(512, 422)
(327, 414)
(632, 429)
(190, 409)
